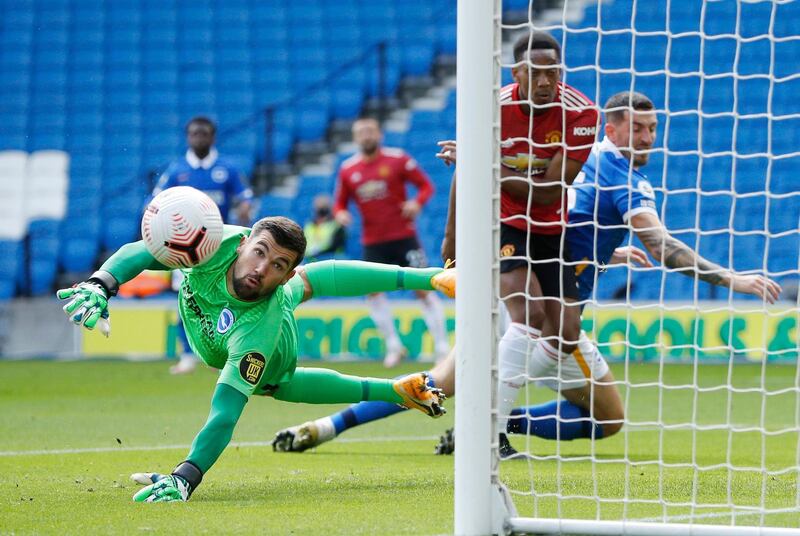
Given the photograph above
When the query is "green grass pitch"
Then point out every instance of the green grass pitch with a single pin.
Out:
(383, 478)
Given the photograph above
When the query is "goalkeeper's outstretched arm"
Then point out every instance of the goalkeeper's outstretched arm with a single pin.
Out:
(358, 278)
(675, 254)
(129, 261)
(87, 303)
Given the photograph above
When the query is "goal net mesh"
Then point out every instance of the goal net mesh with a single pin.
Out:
(708, 377)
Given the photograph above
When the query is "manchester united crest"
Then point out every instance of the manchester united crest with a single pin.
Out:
(554, 136)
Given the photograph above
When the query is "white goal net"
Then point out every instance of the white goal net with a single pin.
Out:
(696, 429)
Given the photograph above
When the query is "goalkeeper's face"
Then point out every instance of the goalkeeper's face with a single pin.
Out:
(260, 267)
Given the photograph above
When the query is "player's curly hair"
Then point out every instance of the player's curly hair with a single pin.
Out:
(285, 232)
(621, 102)
(535, 40)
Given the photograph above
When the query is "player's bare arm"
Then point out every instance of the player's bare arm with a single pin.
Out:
(448, 251)
(675, 254)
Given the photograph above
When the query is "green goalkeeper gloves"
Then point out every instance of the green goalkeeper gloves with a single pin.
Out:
(87, 306)
(165, 488)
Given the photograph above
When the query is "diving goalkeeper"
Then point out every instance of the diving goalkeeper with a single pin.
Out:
(238, 309)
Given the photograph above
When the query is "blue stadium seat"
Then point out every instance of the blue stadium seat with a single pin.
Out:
(748, 251)
(715, 211)
(683, 16)
(716, 173)
(682, 135)
(417, 59)
(787, 17)
(751, 136)
(272, 205)
(720, 18)
(11, 259)
(753, 96)
(446, 39)
(311, 123)
(341, 12)
(78, 253)
(123, 100)
(783, 253)
(346, 103)
(90, 59)
(755, 57)
(615, 51)
(754, 18)
(43, 268)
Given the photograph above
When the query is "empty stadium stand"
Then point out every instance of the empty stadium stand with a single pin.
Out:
(112, 83)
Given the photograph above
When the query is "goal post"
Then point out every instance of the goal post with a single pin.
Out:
(708, 378)
(477, 124)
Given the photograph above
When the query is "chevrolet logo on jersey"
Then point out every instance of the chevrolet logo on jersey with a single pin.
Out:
(372, 189)
(525, 162)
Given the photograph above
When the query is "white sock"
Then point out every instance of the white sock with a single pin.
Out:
(592, 356)
(544, 360)
(546, 350)
(325, 429)
(433, 312)
(187, 357)
(516, 345)
(382, 315)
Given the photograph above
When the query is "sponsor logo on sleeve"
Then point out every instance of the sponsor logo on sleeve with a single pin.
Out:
(251, 367)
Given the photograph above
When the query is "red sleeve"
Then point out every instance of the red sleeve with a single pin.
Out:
(342, 196)
(414, 174)
(581, 133)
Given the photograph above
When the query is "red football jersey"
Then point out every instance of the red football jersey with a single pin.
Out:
(378, 186)
(572, 126)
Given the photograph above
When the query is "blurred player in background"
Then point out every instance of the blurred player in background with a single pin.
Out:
(325, 236)
(376, 179)
(203, 168)
(609, 198)
(239, 312)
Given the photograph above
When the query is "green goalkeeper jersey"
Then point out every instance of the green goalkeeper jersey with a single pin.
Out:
(254, 343)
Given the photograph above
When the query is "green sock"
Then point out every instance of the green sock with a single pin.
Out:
(324, 386)
(357, 278)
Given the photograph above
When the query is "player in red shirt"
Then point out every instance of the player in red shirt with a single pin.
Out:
(547, 131)
(376, 178)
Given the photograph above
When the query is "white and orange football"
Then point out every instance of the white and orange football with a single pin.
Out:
(182, 227)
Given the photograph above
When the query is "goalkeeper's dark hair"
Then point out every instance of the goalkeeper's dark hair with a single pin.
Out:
(202, 120)
(625, 101)
(285, 232)
(533, 41)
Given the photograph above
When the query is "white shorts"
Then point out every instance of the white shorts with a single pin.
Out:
(571, 373)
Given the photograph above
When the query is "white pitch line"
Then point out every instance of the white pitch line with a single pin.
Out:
(45, 452)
